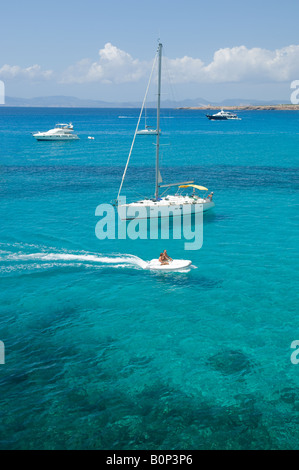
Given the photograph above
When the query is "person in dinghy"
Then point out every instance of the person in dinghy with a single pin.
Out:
(168, 264)
(164, 258)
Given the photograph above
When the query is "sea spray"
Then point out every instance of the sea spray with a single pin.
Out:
(88, 258)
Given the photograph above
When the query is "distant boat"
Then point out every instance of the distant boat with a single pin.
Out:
(91, 138)
(223, 116)
(148, 130)
(60, 132)
(175, 203)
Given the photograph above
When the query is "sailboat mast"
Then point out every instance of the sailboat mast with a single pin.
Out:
(158, 121)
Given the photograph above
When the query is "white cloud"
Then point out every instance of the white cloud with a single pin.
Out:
(229, 65)
(239, 64)
(32, 72)
(236, 64)
(113, 66)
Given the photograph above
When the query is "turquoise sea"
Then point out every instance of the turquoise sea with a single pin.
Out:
(102, 354)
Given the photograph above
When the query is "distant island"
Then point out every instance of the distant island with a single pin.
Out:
(272, 107)
(196, 103)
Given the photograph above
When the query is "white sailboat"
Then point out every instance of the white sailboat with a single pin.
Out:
(160, 206)
(148, 130)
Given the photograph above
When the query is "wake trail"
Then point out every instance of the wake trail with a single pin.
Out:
(83, 258)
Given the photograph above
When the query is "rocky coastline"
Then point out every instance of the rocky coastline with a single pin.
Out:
(276, 107)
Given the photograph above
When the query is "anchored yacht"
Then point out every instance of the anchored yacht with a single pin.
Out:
(222, 116)
(60, 132)
(148, 130)
(159, 205)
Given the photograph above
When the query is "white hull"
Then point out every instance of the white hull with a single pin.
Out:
(223, 116)
(147, 132)
(160, 209)
(60, 132)
(56, 137)
(175, 265)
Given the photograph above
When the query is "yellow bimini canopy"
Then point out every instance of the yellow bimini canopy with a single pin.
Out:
(201, 188)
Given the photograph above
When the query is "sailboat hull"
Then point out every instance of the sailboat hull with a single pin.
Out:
(147, 132)
(155, 210)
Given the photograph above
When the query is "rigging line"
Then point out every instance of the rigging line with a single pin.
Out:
(142, 196)
(170, 82)
(132, 145)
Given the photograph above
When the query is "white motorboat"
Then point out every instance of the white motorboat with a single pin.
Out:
(223, 116)
(163, 206)
(60, 132)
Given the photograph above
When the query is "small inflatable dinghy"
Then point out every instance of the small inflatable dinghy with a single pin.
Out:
(175, 265)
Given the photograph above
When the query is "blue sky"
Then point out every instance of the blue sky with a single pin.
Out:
(103, 49)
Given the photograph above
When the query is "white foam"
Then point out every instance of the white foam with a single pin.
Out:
(117, 260)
